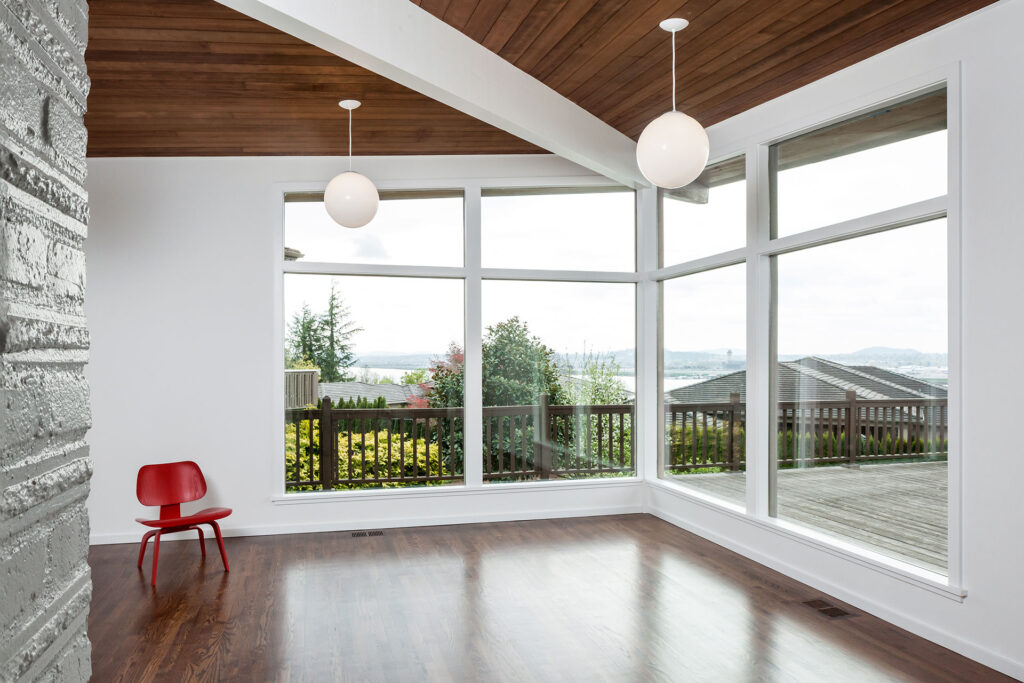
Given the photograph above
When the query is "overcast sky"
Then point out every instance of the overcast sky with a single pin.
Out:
(887, 289)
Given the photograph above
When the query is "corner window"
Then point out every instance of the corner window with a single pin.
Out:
(861, 366)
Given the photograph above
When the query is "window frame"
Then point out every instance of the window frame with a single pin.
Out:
(472, 274)
(758, 254)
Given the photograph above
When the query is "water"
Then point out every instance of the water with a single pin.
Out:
(628, 381)
(394, 374)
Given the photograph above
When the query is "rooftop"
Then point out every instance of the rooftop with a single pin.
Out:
(814, 379)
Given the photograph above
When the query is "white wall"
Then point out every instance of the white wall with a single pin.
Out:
(181, 262)
(987, 624)
(180, 297)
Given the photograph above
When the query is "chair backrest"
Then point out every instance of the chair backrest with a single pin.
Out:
(170, 483)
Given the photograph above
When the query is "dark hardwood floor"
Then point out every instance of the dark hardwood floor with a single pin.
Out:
(624, 598)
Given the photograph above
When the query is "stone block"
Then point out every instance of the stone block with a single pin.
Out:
(44, 398)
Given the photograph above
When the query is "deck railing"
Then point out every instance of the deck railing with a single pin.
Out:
(406, 446)
(574, 441)
(712, 436)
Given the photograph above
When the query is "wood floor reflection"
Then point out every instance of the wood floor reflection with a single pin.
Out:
(623, 598)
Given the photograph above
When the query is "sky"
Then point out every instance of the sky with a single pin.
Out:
(887, 289)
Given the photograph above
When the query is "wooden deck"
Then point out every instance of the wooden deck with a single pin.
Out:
(896, 509)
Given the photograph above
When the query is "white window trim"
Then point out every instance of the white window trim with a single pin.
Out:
(757, 255)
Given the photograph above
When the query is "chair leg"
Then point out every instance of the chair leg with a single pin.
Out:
(202, 540)
(220, 543)
(142, 550)
(156, 556)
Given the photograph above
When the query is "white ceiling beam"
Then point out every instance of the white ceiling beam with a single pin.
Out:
(406, 44)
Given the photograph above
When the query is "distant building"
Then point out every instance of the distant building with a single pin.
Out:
(301, 388)
(396, 395)
(814, 379)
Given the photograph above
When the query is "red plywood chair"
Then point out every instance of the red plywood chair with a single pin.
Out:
(169, 485)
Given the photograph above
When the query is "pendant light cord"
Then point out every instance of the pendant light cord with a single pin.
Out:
(673, 71)
(349, 139)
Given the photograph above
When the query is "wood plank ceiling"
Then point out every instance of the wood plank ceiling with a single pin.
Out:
(195, 78)
(192, 77)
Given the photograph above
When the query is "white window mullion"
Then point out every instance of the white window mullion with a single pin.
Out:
(473, 399)
(648, 434)
(759, 348)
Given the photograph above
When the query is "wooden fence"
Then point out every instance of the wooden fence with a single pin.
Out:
(574, 441)
(301, 388)
(712, 436)
(405, 446)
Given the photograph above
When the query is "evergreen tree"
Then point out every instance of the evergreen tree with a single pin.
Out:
(337, 329)
(323, 341)
(304, 343)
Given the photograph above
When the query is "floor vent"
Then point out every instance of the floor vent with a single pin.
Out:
(358, 534)
(364, 534)
(827, 608)
(375, 533)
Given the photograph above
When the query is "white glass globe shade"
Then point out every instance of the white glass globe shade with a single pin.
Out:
(351, 199)
(672, 150)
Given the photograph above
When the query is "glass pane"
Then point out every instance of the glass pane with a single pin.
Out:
(708, 216)
(861, 386)
(559, 229)
(370, 346)
(410, 228)
(883, 160)
(704, 379)
(558, 380)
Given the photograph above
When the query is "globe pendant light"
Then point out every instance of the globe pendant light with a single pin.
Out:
(673, 149)
(351, 198)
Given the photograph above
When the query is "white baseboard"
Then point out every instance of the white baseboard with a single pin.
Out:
(968, 649)
(342, 525)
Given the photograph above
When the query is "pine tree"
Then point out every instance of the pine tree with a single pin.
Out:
(304, 343)
(337, 329)
(323, 341)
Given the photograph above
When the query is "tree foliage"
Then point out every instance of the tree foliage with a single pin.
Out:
(323, 340)
(419, 376)
(592, 379)
(517, 368)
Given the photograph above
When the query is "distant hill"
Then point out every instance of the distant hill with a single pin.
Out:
(399, 361)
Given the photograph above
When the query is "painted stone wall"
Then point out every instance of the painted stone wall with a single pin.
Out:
(44, 400)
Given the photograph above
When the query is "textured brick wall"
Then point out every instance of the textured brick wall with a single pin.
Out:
(44, 400)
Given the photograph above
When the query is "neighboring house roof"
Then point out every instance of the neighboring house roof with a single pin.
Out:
(813, 379)
(394, 394)
(926, 388)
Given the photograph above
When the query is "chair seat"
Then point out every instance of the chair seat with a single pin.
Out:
(201, 517)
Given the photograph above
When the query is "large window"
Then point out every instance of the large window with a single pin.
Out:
(358, 353)
(860, 369)
(884, 159)
(358, 350)
(706, 217)
(842, 403)
(375, 346)
(410, 228)
(703, 334)
(559, 229)
(861, 391)
(705, 381)
(558, 380)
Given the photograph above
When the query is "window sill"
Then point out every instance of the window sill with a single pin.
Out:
(903, 571)
(453, 490)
